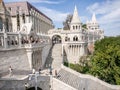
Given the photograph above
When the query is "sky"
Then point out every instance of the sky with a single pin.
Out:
(107, 12)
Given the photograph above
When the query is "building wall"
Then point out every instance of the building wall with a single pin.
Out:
(58, 85)
(17, 59)
(75, 48)
(40, 22)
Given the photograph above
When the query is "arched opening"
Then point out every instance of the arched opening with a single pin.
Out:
(75, 38)
(23, 17)
(76, 27)
(33, 88)
(7, 25)
(56, 39)
(67, 39)
(1, 24)
(73, 27)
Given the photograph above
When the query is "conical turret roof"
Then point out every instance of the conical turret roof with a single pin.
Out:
(94, 18)
(75, 18)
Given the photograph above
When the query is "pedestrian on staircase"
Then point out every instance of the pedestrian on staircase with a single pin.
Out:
(56, 73)
(33, 71)
(10, 71)
(39, 70)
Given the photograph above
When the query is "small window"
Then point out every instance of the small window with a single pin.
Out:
(75, 38)
(23, 17)
(76, 27)
(73, 27)
(66, 38)
(9, 8)
(18, 7)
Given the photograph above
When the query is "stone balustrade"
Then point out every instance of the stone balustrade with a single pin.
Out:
(17, 40)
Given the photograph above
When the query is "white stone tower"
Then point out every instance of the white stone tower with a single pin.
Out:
(75, 23)
(93, 24)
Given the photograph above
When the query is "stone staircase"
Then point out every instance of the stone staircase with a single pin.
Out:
(54, 57)
(69, 78)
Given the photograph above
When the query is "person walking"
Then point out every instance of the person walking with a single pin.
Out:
(56, 73)
(10, 71)
(33, 71)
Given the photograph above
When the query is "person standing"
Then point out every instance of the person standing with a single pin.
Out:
(56, 73)
(10, 71)
(33, 71)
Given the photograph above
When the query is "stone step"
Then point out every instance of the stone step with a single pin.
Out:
(54, 56)
(69, 78)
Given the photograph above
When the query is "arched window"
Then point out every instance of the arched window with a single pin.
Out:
(7, 25)
(73, 27)
(66, 38)
(76, 27)
(18, 21)
(1, 24)
(75, 38)
(23, 17)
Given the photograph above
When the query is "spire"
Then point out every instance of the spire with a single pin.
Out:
(94, 18)
(75, 18)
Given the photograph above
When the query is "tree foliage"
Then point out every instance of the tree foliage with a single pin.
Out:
(105, 62)
(66, 23)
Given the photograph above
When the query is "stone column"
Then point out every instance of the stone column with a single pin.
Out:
(5, 40)
(20, 40)
(29, 54)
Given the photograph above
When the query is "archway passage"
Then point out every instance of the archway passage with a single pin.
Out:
(56, 39)
(33, 88)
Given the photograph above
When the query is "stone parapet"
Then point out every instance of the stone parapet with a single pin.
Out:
(92, 83)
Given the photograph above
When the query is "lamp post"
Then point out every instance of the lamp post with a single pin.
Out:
(36, 80)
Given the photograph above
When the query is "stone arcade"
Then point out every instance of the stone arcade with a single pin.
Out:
(77, 41)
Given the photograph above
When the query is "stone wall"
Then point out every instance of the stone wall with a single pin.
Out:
(45, 52)
(58, 85)
(9, 84)
(92, 83)
(43, 82)
(17, 59)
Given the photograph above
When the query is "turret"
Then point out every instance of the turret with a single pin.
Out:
(93, 25)
(94, 19)
(75, 23)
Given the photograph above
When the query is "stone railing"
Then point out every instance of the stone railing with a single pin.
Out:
(100, 85)
(10, 40)
(59, 85)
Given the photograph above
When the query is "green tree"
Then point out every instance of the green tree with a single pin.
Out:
(105, 62)
(66, 23)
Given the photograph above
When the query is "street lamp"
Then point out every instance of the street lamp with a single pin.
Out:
(36, 75)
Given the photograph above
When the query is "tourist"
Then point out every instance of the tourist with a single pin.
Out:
(39, 70)
(33, 71)
(10, 71)
(56, 73)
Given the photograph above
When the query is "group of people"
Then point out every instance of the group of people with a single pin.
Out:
(33, 71)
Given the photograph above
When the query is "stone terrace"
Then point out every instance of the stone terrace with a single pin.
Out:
(17, 59)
